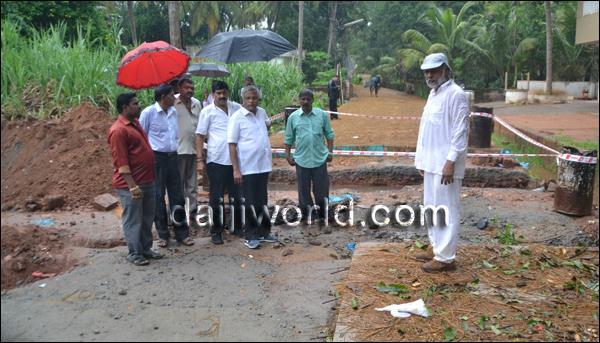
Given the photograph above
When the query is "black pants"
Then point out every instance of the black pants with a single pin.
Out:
(333, 107)
(254, 191)
(316, 179)
(221, 178)
(169, 179)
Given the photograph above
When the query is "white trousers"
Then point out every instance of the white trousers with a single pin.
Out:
(443, 238)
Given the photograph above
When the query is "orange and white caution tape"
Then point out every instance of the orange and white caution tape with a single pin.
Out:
(482, 114)
(524, 136)
(578, 158)
(277, 116)
(410, 153)
(555, 153)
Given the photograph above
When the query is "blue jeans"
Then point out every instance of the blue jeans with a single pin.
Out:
(138, 215)
(169, 179)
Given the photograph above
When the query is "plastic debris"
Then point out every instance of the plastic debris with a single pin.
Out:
(351, 246)
(334, 199)
(43, 222)
(405, 310)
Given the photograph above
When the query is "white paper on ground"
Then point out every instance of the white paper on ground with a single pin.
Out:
(405, 310)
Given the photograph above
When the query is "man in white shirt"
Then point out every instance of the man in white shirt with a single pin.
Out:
(213, 122)
(188, 110)
(160, 123)
(440, 159)
(250, 152)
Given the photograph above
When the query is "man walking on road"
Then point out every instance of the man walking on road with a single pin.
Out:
(133, 178)
(250, 152)
(307, 129)
(159, 121)
(440, 158)
(213, 125)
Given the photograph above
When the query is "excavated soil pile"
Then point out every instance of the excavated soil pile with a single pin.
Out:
(30, 253)
(49, 164)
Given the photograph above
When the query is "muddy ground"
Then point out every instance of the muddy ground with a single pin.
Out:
(283, 293)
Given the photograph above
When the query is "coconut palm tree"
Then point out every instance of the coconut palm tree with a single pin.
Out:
(451, 31)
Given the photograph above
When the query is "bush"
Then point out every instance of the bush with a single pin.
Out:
(315, 61)
(280, 84)
(45, 75)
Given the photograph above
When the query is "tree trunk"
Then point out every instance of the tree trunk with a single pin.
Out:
(332, 29)
(548, 8)
(271, 22)
(300, 32)
(174, 29)
(131, 16)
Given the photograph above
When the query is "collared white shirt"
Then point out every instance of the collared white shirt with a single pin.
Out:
(444, 130)
(213, 124)
(188, 123)
(250, 133)
(161, 127)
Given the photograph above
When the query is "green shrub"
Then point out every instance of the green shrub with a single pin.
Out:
(280, 84)
(45, 75)
(313, 63)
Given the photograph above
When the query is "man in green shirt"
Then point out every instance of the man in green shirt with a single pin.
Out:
(307, 130)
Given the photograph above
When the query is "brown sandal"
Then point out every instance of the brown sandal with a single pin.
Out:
(162, 243)
(187, 242)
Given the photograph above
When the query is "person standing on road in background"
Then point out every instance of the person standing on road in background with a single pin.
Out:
(159, 121)
(213, 123)
(250, 152)
(440, 158)
(333, 91)
(307, 130)
(374, 84)
(133, 178)
(188, 110)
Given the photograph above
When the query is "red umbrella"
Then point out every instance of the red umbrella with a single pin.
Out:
(151, 64)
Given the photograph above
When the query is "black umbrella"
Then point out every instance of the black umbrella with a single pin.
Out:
(245, 46)
(208, 70)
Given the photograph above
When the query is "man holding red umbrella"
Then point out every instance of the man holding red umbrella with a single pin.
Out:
(160, 123)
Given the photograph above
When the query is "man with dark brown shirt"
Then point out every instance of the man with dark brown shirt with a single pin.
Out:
(133, 178)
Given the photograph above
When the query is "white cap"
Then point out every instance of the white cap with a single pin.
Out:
(434, 61)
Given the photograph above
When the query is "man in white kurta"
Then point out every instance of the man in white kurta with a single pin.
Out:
(440, 158)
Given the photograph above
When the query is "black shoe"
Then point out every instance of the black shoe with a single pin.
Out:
(216, 238)
(239, 233)
(153, 255)
(140, 261)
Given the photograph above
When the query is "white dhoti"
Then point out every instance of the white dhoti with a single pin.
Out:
(443, 236)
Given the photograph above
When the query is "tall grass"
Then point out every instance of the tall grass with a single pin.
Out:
(280, 84)
(45, 75)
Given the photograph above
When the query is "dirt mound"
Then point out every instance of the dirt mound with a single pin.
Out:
(45, 160)
(31, 249)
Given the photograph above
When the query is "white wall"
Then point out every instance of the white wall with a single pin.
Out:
(571, 88)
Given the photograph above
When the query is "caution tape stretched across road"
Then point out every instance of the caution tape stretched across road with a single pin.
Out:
(555, 153)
